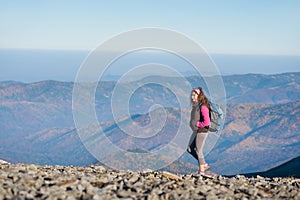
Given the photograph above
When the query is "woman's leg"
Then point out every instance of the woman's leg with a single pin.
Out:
(192, 146)
(200, 142)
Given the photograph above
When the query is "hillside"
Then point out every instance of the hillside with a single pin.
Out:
(242, 140)
(261, 129)
(288, 169)
(257, 137)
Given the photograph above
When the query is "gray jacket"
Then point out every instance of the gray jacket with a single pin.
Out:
(195, 117)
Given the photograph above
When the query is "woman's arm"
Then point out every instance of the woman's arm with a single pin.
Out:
(206, 119)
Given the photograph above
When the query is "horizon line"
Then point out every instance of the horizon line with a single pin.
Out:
(210, 53)
(73, 81)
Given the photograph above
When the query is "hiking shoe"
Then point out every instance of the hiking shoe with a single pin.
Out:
(206, 167)
(210, 174)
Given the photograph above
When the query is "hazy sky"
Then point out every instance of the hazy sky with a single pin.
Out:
(231, 26)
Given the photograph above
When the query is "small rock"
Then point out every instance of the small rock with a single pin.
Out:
(171, 176)
(123, 194)
(2, 162)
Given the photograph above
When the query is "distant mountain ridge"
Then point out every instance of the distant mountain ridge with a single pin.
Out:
(261, 129)
(248, 88)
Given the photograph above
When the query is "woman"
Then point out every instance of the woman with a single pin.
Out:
(199, 123)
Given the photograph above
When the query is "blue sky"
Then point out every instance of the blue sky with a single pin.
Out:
(232, 27)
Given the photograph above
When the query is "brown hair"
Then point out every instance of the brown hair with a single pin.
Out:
(201, 97)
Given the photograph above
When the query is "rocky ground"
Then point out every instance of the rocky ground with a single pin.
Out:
(20, 181)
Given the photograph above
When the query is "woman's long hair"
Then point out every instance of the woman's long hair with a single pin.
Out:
(201, 97)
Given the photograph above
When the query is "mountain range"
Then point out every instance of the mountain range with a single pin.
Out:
(261, 130)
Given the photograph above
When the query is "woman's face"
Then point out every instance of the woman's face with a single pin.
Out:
(194, 97)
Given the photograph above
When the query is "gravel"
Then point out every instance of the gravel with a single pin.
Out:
(28, 181)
